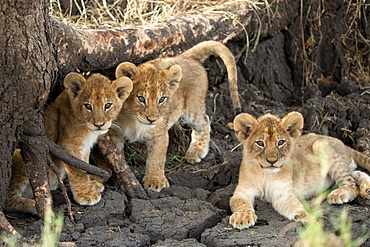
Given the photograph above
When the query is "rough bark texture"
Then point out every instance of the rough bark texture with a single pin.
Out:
(27, 69)
(118, 164)
(35, 154)
(91, 50)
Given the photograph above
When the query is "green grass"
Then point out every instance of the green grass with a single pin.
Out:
(314, 233)
(50, 232)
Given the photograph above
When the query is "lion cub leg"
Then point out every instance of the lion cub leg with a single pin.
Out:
(336, 163)
(200, 138)
(157, 145)
(347, 189)
(85, 190)
(363, 181)
(20, 194)
(241, 204)
(286, 203)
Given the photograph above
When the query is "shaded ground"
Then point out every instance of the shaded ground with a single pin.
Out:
(194, 211)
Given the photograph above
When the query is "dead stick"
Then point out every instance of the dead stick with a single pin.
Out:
(74, 162)
(117, 162)
(64, 190)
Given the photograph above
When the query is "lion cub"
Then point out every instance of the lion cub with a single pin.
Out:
(82, 112)
(279, 166)
(166, 89)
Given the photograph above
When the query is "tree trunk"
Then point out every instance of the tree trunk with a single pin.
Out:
(28, 67)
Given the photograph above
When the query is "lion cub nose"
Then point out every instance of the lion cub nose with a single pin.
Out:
(272, 159)
(99, 125)
(151, 119)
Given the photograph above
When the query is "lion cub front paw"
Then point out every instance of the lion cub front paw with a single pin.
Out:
(155, 183)
(88, 198)
(243, 220)
(97, 186)
(301, 216)
(87, 194)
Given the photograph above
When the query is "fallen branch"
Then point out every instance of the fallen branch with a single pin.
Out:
(117, 163)
(64, 190)
(74, 162)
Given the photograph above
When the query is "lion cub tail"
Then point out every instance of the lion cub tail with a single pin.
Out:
(362, 160)
(205, 49)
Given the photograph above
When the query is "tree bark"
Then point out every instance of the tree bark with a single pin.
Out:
(118, 164)
(28, 67)
(90, 50)
(35, 154)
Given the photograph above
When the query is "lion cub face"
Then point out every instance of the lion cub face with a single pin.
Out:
(153, 89)
(96, 101)
(268, 141)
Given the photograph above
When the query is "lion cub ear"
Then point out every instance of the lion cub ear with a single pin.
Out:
(243, 123)
(123, 86)
(73, 83)
(126, 69)
(293, 123)
(174, 75)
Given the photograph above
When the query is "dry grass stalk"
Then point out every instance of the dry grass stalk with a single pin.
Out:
(104, 14)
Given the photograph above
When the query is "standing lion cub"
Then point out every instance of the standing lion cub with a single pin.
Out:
(82, 112)
(166, 89)
(279, 166)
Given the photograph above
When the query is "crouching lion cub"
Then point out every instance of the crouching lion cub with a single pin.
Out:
(166, 89)
(82, 112)
(279, 166)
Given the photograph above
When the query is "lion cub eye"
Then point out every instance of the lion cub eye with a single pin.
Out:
(107, 106)
(280, 143)
(161, 100)
(260, 144)
(88, 107)
(141, 99)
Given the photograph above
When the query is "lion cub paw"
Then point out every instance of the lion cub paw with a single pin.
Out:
(363, 181)
(301, 216)
(365, 190)
(87, 198)
(199, 147)
(195, 155)
(87, 194)
(155, 183)
(97, 186)
(342, 195)
(243, 220)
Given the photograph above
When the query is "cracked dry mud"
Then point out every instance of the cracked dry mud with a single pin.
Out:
(194, 211)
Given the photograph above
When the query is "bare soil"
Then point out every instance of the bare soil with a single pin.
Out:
(194, 211)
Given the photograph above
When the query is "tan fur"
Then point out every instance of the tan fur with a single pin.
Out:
(279, 166)
(166, 89)
(82, 112)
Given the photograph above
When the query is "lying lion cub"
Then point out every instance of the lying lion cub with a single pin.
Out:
(82, 112)
(166, 89)
(279, 166)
